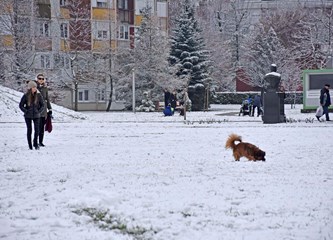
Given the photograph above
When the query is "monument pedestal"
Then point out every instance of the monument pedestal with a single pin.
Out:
(273, 108)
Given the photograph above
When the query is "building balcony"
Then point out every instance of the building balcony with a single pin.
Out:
(103, 14)
(102, 45)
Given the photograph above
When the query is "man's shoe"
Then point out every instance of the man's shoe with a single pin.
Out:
(41, 145)
(318, 118)
(36, 147)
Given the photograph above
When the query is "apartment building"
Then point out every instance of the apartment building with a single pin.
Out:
(63, 32)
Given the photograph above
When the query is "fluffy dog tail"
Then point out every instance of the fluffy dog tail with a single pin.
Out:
(231, 141)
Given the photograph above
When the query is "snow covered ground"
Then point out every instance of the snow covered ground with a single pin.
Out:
(121, 175)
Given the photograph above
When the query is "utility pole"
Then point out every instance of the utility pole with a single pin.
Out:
(133, 89)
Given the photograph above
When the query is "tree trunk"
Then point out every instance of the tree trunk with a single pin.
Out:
(110, 96)
(76, 97)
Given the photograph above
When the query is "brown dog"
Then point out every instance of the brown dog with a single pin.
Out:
(243, 149)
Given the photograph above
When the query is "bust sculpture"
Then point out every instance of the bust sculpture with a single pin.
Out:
(272, 80)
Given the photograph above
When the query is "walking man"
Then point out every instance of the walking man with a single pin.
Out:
(41, 86)
(325, 101)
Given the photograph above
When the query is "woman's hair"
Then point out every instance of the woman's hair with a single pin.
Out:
(32, 97)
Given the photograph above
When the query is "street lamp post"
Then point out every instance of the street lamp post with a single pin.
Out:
(133, 89)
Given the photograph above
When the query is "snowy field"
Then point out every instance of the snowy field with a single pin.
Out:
(121, 175)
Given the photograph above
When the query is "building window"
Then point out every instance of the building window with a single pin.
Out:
(45, 62)
(101, 95)
(63, 3)
(64, 30)
(102, 4)
(44, 29)
(65, 62)
(124, 16)
(61, 61)
(101, 34)
(123, 32)
(123, 4)
(83, 95)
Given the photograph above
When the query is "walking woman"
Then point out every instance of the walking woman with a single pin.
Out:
(32, 104)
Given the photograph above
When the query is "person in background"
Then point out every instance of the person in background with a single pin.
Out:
(32, 105)
(41, 86)
(173, 100)
(256, 104)
(168, 110)
(250, 102)
(185, 104)
(166, 97)
(325, 101)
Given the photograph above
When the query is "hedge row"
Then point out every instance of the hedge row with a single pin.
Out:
(238, 97)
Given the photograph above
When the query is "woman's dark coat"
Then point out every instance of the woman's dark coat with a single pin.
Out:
(35, 109)
(325, 98)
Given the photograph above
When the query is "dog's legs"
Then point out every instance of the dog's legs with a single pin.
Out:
(251, 158)
(236, 156)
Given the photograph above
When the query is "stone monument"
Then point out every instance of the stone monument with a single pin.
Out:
(273, 100)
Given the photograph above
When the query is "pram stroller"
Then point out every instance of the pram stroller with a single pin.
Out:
(245, 108)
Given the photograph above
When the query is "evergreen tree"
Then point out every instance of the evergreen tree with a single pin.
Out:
(189, 55)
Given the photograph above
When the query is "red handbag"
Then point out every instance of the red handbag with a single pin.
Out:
(48, 124)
